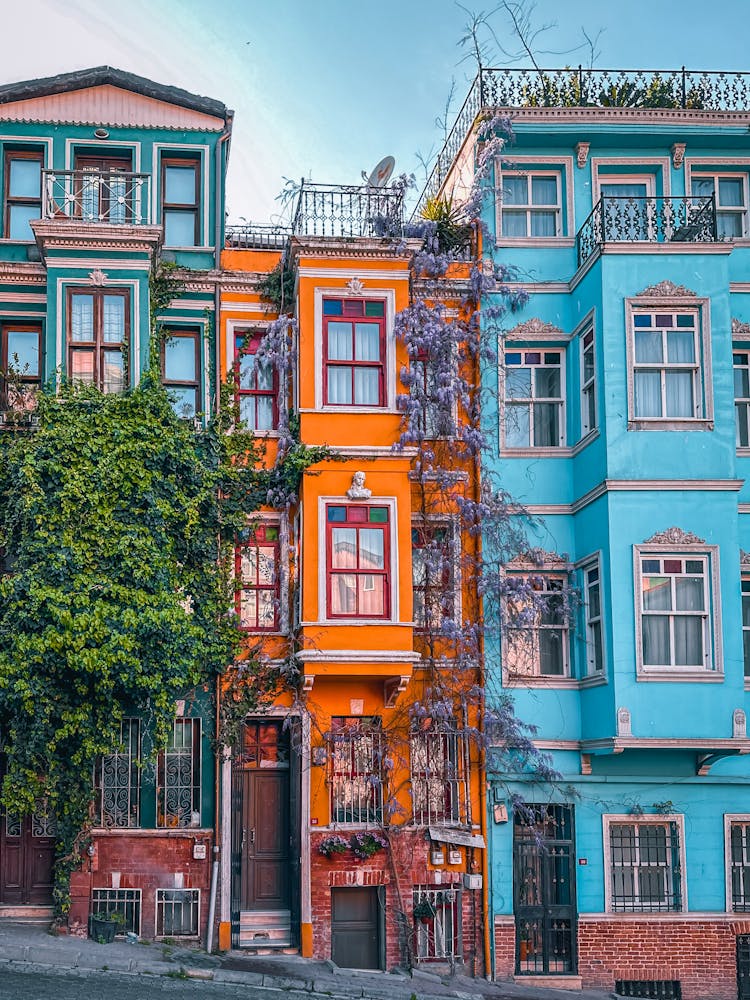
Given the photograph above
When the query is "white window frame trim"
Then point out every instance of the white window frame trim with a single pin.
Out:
(559, 450)
(727, 167)
(562, 166)
(567, 679)
(644, 168)
(588, 325)
(593, 562)
(713, 633)
(730, 819)
(628, 819)
(674, 304)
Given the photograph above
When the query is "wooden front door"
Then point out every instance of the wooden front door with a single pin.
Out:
(355, 928)
(27, 853)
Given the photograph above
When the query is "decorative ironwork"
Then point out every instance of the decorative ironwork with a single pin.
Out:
(644, 867)
(347, 210)
(126, 902)
(439, 788)
(12, 825)
(674, 536)
(177, 912)
(621, 219)
(43, 822)
(107, 196)
(254, 236)
(438, 933)
(118, 780)
(654, 989)
(178, 778)
(355, 760)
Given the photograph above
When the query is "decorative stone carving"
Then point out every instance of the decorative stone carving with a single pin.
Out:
(744, 560)
(678, 154)
(740, 330)
(538, 557)
(533, 329)
(98, 277)
(355, 286)
(582, 153)
(358, 490)
(675, 536)
(624, 725)
(665, 289)
(739, 724)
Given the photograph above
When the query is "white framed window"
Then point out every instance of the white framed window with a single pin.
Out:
(534, 399)
(730, 193)
(628, 206)
(741, 362)
(530, 203)
(737, 861)
(644, 860)
(745, 584)
(677, 623)
(589, 420)
(592, 586)
(537, 632)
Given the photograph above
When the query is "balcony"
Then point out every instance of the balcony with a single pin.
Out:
(621, 219)
(252, 236)
(344, 211)
(99, 197)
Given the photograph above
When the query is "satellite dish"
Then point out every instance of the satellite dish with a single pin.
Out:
(381, 173)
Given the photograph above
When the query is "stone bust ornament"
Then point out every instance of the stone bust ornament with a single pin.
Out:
(358, 490)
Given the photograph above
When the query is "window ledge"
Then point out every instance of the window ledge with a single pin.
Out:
(743, 453)
(326, 408)
(657, 424)
(676, 675)
(585, 441)
(539, 681)
(559, 452)
(593, 680)
(151, 831)
(534, 241)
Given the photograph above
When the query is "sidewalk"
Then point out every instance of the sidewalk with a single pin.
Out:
(31, 943)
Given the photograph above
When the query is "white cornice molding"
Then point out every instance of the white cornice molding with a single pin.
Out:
(358, 655)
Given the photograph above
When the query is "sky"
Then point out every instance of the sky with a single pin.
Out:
(323, 89)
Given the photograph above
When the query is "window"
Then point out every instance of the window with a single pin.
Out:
(117, 780)
(356, 748)
(257, 384)
(125, 902)
(742, 398)
(674, 612)
(533, 412)
(437, 922)
(645, 865)
(178, 777)
(20, 358)
(730, 194)
(23, 193)
(667, 365)
(177, 912)
(739, 865)
(358, 561)
(439, 763)
(433, 418)
(588, 383)
(746, 624)
(104, 188)
(354, 352)
(433, 558)
(257, 575)
(531, 204)
(180, 368)
(593, 595)
(537, 631)
(180, 193)
(98, 334)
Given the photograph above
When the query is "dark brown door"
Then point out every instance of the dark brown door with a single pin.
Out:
(355, 928)
(265, 841)
(27, 851)
(104, 192)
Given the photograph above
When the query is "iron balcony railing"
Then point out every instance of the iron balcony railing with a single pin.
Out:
(252, 236)
(511, 89)
(621, 219)
(342, 210)
(107, 196)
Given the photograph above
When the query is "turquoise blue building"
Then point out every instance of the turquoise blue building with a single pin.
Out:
(619, 417)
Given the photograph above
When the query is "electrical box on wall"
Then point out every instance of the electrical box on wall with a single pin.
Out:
(454, 857)
(199, 852)
(437, 857)
(472, 881)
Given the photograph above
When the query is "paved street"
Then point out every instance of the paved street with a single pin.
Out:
(116, 986)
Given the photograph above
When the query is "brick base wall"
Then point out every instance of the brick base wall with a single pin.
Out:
(398, 871)
(700, 953)
(145, 861)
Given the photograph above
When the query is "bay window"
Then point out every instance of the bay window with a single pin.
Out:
(433, 559)
(257, 579)
(530, 203)
(98, 335)
(730, 199)
(742, 398)
(674, 608)
(667, 366)
(537, 630)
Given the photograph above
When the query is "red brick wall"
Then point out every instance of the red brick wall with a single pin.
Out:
(398, 870)
(700, 953)
(147, 862)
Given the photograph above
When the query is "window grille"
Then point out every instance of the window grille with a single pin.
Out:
(657, 989)
(178, 791)
(177, 912)
(739, 866)
(356, 747)
(126, 902)
(645, 867)
(117, 780)
(438, 937)
(439, 765)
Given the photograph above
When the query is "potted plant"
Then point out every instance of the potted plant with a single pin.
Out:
(332, 845)
(424, 910)
(105, 924)
(364, 845)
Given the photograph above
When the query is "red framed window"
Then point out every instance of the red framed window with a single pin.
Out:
(354, 352)
(257, 576)
(98, 331)
(358, 561)
(180, 370)
(20, 358)
(257, 384)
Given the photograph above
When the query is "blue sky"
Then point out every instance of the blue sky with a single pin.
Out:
(325, 88)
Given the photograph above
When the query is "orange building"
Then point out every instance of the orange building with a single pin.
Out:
(352, 815)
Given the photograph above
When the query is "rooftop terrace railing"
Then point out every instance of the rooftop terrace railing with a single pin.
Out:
(252, 236)
(512, 89)
(343, 210)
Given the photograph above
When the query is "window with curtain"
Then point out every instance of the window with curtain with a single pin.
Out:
(666, 360)
(730, 198)
(257, 579)
(530, 204)
(354, 352)
(358, 561)
(533, 415)
(742, 398)
(746, 624)
(645, 870)
(537, 635)
(593, 606)
(98, 334)
(675, 612)
(257, 385)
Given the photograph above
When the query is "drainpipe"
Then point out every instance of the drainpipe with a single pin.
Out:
(217, 827)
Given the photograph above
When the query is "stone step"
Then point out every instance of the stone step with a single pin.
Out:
(26, 914)
(550, 982)
(265, 928)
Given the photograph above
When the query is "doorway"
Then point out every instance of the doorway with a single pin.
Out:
(27, 854)
(356, 928)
